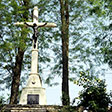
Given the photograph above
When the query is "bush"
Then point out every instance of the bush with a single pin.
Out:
(94, 96)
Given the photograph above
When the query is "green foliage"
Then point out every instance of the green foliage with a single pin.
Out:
(68, 109)
(93, 48)
(94, 96)
(102, 35)
(11, 38)
(104, 44)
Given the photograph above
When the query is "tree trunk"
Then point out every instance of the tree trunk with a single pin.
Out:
(16, 77)
(65, 50)
(18, 63)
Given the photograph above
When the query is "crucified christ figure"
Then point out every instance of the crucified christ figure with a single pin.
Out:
(35, 30)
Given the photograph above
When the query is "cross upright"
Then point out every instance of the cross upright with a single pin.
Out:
(33, 93)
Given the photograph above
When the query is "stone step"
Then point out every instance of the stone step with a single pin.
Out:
(30, 108)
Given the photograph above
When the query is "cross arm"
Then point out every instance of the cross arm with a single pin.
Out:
(38, 24)
(47, 24)
(24, 23)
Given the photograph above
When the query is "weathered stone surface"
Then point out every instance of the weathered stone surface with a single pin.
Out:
(42, 108)
(30, 108)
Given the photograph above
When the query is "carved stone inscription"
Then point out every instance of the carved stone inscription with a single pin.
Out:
(32, 99)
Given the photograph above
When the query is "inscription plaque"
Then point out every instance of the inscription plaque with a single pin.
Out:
(32, 99)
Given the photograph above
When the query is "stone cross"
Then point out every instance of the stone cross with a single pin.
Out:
(33, 93)
(34, 63)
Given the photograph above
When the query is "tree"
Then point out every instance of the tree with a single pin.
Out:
(64, 10)
(19, 60)
(13, 44)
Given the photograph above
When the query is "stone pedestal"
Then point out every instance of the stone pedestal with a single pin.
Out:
(33, 93)
(32, 90)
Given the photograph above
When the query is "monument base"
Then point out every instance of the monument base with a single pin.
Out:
(33, 95)
(38, 108)
(30, 108)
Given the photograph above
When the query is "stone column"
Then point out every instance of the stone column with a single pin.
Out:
(34, 62)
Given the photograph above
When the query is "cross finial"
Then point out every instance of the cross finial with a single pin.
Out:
(35, 15)
(35, 8)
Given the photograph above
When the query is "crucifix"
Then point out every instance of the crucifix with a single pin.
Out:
(35, 25)
(34, 88)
